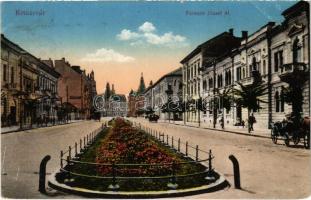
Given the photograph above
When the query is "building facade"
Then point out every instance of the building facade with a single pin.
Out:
(74, 89)
(200, 62)
(273, 52)
(28, 87)
(167, 88)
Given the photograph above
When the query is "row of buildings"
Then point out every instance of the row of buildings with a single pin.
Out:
(273, 53)
(41, 91)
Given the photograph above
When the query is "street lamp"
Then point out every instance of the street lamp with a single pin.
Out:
(169, 93)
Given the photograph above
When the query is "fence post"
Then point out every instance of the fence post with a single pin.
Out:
(172, 142)
(197, 153)
(68, 169)
(173, 185)
(114, 185)
(178, 145)
(210, 176)
(69, 152)
(167, 139)
(186, 148)
(61, 159)
(42, 173)
(236, 171)
(76, 149)
(84, 142)
(87, 139)
(80, 145)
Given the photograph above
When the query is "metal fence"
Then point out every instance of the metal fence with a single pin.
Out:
(186, 149)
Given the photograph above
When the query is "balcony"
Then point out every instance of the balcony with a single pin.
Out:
(293, 72)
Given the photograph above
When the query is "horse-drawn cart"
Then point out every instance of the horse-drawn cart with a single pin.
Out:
(288, 130)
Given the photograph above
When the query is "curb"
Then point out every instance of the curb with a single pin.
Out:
(221, 183)
(228, 131)
(26, 129)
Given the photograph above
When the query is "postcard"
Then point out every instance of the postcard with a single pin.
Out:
(155, 99)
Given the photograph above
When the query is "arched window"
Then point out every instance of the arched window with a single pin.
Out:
(277, 101)
(254, 64)
(243, 72)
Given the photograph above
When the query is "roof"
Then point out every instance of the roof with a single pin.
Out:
(48, 69)
(212, 44)
(300, 6)
(12, 44)
(176, 72)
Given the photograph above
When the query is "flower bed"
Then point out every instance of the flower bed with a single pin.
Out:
(124, 144)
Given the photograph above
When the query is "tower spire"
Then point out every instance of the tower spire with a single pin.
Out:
(142, 86)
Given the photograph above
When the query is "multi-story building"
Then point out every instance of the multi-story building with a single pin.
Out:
(73, 89)
(158, 94)
(200, 61)
(49, 102)
(11, 82)
(274, 53)
(28, 86)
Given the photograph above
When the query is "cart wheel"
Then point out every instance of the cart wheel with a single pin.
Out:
(274, 137)
(296, 139)
(286, 140)
(306, 141)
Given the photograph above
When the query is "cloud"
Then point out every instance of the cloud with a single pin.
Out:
(107, 55)
(166, 38)
(147, 27)
(127, 35)
(147, 35)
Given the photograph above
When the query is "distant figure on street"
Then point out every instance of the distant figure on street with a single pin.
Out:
(222, 122)
(251, 122)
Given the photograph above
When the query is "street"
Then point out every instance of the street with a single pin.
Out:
(267, 170)
(22, 152)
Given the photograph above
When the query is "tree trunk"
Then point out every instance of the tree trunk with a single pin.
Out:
(248, 124)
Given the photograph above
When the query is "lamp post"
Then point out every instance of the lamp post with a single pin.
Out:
(169, 93)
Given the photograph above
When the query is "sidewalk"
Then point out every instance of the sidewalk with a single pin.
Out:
(263, 133)
(16, 128)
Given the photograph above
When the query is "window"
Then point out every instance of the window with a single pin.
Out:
(264, 67)
(238, 73)
(12, 75)
(277, 102)
(219, 80)
(282, 100)
(296, 51)
(4, 72)
(210, 83)
(254, 64)
(204, 85)
(278, 60)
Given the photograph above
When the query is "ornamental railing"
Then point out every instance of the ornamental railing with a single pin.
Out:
(184, 148)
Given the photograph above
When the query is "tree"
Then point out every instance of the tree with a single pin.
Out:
(247, 96)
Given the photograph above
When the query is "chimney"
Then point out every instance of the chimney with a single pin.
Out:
(231, 31)
(244, 34)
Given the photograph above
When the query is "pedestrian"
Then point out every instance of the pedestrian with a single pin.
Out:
(251, 122)
(222, 122)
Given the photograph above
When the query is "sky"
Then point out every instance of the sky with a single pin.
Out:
(121, 40)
